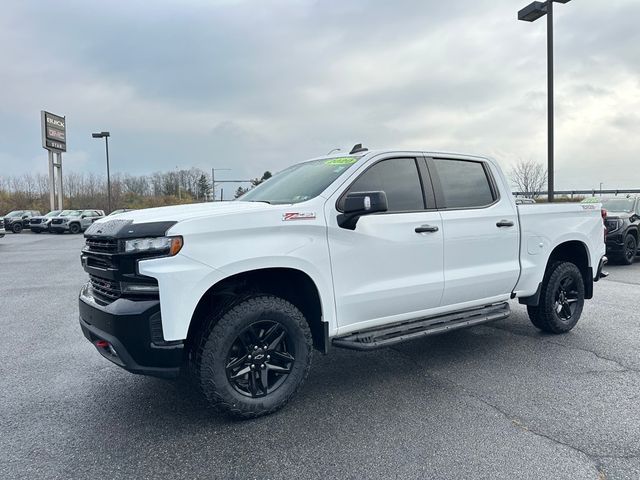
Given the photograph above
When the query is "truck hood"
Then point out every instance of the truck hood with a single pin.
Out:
(178, 213)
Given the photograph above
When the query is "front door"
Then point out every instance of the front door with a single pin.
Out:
(390, 267)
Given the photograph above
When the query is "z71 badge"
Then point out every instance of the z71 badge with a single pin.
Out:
(298, 216)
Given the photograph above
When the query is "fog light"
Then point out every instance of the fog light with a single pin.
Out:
(139, 288)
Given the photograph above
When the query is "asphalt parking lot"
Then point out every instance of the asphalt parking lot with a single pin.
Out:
(501, 401)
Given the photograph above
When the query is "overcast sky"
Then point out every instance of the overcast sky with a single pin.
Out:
(256, 85)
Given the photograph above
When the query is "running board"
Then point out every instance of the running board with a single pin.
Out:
(388, 335)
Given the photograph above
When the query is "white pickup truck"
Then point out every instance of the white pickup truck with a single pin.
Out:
(360, 251)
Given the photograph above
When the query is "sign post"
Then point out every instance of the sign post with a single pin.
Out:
(54, 140)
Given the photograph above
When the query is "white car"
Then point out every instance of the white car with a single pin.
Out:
(360, 251)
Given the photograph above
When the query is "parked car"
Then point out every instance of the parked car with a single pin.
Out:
(18, 220)
(75, 221)
(623, 224)
(120, 210)
(41, 223)
(361, 251)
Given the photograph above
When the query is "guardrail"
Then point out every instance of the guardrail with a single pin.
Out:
(592, 192)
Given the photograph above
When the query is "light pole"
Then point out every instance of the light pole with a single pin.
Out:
(531, 13)
(106, 135)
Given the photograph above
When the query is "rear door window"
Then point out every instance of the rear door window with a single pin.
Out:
(464, 183)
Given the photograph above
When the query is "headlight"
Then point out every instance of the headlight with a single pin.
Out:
(170, 245)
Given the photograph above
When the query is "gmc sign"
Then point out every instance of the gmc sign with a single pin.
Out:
(54, 132)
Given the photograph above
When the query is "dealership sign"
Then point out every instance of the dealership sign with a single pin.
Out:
(54, 132)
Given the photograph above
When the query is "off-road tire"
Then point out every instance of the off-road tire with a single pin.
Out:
(545, 316)
(630, 250)
(16, 227)
(219, 333)
(74, 228)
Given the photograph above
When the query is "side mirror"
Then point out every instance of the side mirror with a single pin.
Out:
(24, 217)
(358, 204)
(83, 216)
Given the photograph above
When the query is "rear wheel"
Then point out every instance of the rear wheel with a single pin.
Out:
(74, 228)
(630, 249)
(561, 299)
(253, 358)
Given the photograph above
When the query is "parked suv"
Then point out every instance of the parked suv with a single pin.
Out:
(75, 221)
(18, 220)
(623, 223)
(41, 223)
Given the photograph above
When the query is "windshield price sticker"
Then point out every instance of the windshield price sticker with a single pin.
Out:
(341, 161)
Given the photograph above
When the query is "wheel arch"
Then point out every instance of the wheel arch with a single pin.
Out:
(633, 230)
(574, 251)
(291, 284)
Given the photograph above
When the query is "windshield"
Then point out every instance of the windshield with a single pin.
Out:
(618, 204)
(15, 213)
(300, 182)
(53, 213)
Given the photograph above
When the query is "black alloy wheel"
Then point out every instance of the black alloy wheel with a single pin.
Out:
(252, 356)
(567, 297)
(260, 359)
(561, 299)
(16, 227)
(630, 249)
(74, 228)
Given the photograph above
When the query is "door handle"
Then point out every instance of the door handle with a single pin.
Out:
(505, 223)
(426, 229)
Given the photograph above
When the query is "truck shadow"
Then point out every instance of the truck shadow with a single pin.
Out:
(347, 380)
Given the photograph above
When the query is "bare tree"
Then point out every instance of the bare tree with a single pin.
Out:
(529, 177)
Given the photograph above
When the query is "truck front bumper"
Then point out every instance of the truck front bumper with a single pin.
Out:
(126, 333)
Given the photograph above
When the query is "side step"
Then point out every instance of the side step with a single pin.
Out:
(388, 335)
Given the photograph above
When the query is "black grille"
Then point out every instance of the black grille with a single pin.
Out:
(105, 288)
(36, 220)
(56, 221)
(102, 245)
(611, 225)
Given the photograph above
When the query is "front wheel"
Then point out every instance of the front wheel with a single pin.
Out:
(74, 228)
(16, 228)
(630, 249)
(253, 358)
(561, 299)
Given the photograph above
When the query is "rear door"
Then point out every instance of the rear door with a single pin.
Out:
(389, 268)
(481, 237)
